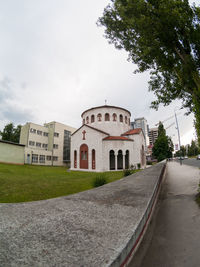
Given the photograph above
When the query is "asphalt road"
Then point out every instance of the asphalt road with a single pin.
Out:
(191, 162)
(172, 239)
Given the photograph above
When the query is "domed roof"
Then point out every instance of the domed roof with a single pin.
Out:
(105, 106)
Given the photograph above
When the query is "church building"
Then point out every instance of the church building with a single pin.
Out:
(105, 141)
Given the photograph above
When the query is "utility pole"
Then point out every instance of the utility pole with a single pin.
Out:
(179, 139)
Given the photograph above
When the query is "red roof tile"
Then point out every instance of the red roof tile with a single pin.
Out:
(121, 138)
(133, 131)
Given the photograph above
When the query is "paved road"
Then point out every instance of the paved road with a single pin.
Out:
(173, 237)
(191, 162)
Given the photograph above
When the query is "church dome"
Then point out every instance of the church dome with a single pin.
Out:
(110, 119)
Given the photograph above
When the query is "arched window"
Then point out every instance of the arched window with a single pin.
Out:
(120, 160)
(93, 159)
(92, 118)
(114, 116)
(75, 159)
(83, 121)
(127, 159)
(107, 117)
(99, 117)
(129, 122)
(120, 118)
(126, 120)
(112, 160)
(87, 119)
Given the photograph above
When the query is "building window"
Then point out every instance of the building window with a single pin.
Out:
(92, 118)
(93, 159)
(55, 146)
(107, 117)
(45, 134)
(83, 121)
(38, 144)
(126, 120)
(44, 145)
(114, 116)
(87, 119)
(66, 147)
(129, 122)
(99, 117)
(56, 134)
(55, 158)
(75, 159)
(39, 132)
(48, 158)
(34, 158)
(120, 118)
(33, 130)
(42, 158)
(31, 143)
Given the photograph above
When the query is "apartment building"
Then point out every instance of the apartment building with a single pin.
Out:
(142, 123)
(47, 144)
(153, 135)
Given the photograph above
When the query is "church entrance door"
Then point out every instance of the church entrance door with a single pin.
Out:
(84, 156)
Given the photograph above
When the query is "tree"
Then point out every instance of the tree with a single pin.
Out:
(11, 133)
(163, 146)
(163, 37)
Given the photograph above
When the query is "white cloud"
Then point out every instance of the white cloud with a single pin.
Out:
(60, 64)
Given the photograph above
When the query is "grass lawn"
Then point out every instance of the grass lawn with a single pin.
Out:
(21, 183)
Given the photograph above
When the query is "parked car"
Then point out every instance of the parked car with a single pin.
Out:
(198, 156)
(186, 157)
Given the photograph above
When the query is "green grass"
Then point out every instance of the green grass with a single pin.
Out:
(21, 183)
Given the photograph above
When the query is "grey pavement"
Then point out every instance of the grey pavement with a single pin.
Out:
(86, 229)
(192, 162)
(173, 238)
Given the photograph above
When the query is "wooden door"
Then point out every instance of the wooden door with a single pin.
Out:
(84, 156)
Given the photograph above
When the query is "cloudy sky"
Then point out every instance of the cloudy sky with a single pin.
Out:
(55, 63)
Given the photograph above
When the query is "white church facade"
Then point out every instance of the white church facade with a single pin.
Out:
(105, 141)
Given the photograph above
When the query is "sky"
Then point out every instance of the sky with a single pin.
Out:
(55, 63)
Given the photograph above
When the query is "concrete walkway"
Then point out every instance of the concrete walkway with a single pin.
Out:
(173, 239)
(87, 229)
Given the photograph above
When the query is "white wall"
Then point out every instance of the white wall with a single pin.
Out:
(115, 128)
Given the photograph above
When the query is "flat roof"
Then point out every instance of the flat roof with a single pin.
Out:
(105, 106)
(11, 143)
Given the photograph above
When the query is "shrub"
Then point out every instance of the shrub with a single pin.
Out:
(138, 165)
(99, 180)
(149, 162)
(127, 172)
(132, 167)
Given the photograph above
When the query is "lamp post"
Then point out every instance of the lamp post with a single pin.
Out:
(179, 139)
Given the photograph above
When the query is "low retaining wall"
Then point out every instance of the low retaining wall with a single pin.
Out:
(128, 252)
(98, 227)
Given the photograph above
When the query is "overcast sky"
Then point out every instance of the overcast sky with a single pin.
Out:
(55, 63)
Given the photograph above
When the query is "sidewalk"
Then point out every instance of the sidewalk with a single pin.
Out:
(173, 239)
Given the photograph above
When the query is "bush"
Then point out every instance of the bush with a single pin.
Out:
(99, 180)
(127, 172)
(149, 162)
(138, 165)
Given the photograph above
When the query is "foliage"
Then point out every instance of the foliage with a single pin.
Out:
(11, 133)
(127, 172)
(189, 150)
(163, 37)
(163, 146)
(99, 180)
(138, 166)
(21, 183)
